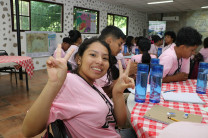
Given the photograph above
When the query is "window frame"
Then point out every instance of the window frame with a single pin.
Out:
(112, 14)
(12, 14)
(98, 18)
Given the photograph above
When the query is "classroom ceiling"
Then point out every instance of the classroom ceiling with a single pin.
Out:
(176, 6)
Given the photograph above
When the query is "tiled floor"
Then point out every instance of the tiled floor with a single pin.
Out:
(15, 101)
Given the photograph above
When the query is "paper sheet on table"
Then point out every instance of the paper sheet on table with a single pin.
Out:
(133, 90)
(182, 97)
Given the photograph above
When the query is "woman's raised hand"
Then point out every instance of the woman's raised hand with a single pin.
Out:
(57, 67)
(124, 81)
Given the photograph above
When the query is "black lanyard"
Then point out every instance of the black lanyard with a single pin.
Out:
(179, 67)
(110, 116)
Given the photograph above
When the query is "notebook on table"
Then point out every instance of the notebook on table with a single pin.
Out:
(159, 113)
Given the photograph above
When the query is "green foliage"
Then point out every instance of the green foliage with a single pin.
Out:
(119, 21)
(44, 16)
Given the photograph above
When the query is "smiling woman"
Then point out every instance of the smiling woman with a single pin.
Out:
(76, 99)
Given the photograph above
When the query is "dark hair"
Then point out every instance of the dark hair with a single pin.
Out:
(129, 41)
(189, 37)
(111, 31)
(156, 38)
(171, 34)
(74, 35)
(206, 42)
(144, 45)
(85, 45)
(138, 38)
(67, 40)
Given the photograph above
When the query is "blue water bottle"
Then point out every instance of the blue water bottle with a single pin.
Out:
(152, 62)
(159, 52)
(156, 83)
(202, 78)
(141, 82)
(136, 51)
(125, 49)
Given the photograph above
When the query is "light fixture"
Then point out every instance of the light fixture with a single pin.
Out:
(204, 7)
(159, 2)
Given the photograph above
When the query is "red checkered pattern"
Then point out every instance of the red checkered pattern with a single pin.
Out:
(22, 61)
(148, 128)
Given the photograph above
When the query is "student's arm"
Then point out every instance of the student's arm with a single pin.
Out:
(37, 116)
(122, 83)
(181, 76)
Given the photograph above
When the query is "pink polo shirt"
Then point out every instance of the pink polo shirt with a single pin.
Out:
(170, 63)
(83, 110)
(204, 52)
(154, 49)
(71, 59)
(138, 58)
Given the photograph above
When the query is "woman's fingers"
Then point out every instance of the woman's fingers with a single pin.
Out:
(128, 68)
(68, 54)
(120, 68)
(58, 52)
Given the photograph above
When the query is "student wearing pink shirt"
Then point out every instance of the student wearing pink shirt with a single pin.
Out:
(170, 38)
(65, 46)
(158, 43)
(76, 40)
(76, 99)
(176, 59)
(130, 41)
(204, 50)
(144, 46)
(115, 38)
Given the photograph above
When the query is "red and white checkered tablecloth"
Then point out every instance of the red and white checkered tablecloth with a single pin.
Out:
(22, 61)
(147, 128)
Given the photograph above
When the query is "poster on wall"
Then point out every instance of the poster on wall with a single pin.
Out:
(40, 43)
(85, 22)
(157, 27)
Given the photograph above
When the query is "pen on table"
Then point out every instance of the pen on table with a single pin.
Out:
(173, 119)
(169, 91)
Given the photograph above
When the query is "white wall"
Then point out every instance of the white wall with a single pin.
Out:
(8, 39)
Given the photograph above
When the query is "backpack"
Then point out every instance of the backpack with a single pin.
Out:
(194, 65)
(59, 130)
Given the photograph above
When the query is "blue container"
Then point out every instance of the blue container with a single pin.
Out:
(153, 62)
(159, 52)
(125, 49)
(141, 82)
(202, 78)
(156, 83)
(136, 51)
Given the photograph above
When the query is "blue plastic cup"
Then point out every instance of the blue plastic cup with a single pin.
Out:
(152, 62)
(141, 82)
(202, 78)
(156, 83)
(136, 51)
(125, 49)
(159, 52)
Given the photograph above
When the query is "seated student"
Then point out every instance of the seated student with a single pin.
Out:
(158, 43)
(204, 50)
(65, 46)
(76, 40)
(76, 99)
(176, 59)
(113, 36)
(170, 38)
(130, 42)
(136, 41)
(144, 57)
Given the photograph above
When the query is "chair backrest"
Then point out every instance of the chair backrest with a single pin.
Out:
(194, 65)
(3, 53)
